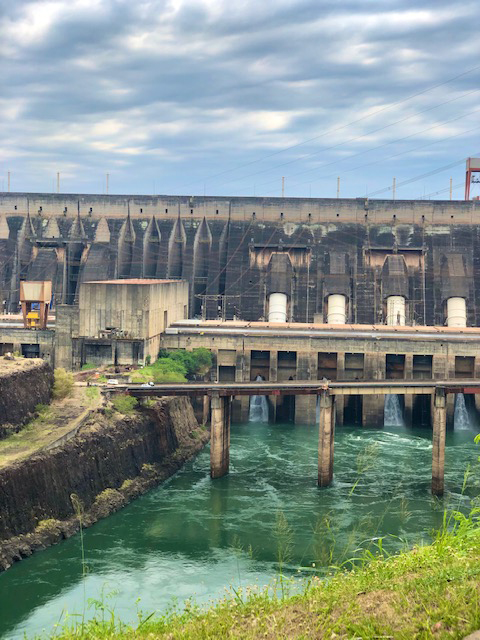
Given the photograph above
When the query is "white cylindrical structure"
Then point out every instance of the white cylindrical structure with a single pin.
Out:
(396, 311)
(456, 312)
(277, 307)
(336, 309)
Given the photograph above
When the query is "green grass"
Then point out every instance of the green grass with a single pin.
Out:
(88, 366)
(124, 403)
(429, 592)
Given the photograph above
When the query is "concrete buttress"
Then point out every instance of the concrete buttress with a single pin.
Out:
(221, 411)
(438, 442)
(326, 435)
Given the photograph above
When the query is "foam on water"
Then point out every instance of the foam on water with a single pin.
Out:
(461, 417)
(190, 537)
(258, 411)
(393, 414)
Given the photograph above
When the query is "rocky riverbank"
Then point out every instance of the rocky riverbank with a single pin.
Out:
(113, 459)
(24, 384)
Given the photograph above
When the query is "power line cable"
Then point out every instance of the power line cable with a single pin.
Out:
(340, 144)
(340, 128)
(396, 155)
(381, 146)
(435, 193)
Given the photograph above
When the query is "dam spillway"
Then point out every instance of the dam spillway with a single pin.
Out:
(236, 253)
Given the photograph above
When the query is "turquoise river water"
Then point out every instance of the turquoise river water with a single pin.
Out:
(194, 538)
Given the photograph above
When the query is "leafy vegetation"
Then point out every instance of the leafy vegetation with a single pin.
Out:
(124, 403)
(175, 366)
(429, 592)
(44, 414)
(108, 495)
(63, 383)
(88, 366)
(49, 526)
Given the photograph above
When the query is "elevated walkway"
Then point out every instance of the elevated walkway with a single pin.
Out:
(221, 395)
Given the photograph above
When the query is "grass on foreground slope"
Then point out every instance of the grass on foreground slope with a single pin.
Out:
(51, 422)
(429, 592)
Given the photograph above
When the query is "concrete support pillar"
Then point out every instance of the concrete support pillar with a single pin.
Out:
(240, 404)
(450, 399)
(243, 375)
(408, 375)
(438, 442)
(305, 406)
(326, 436)
(477, 376)
(373, 405)
(340, 400)
(220, 435)
(206, 409)
(273, 373)
(441, 365)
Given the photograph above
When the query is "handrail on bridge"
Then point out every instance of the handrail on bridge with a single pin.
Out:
(299, 387)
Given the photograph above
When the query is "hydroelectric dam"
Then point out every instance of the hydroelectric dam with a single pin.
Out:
(344, 354)
(278, 289)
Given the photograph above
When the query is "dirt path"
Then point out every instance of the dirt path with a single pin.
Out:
(55, 422)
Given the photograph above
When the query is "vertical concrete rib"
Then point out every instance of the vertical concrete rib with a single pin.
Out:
(438, 442)
(326, 435)
(220, 435)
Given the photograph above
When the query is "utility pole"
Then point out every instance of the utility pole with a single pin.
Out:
(107, 179)
(8, 182)
(58, 181)
(394, 188)
(338, 187)
(283, 187)
(451, 189)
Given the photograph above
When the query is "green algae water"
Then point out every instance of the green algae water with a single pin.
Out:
(194, 538)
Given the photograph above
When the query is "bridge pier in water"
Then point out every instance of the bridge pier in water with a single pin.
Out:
(438, 441)
(221, 416)
(221, 412)
(326, 439)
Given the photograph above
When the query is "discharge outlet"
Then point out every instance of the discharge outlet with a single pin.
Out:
(456, 312)
(336, 309)
(396, 311)
(277, 307)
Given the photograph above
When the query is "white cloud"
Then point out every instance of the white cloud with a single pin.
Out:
(186, 89)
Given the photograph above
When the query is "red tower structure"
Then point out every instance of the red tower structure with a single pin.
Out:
(473, 166)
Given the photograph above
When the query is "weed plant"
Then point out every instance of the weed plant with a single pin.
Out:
(430, 591)
(63, 384)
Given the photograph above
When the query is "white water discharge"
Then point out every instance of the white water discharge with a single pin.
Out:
(393, 414)
(258, 407)
(461, 417)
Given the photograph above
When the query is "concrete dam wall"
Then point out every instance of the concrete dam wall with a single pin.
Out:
(144, 448)
(377, 261)
(23, 385)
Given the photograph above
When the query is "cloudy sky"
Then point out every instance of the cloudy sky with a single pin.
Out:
(225, 97)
